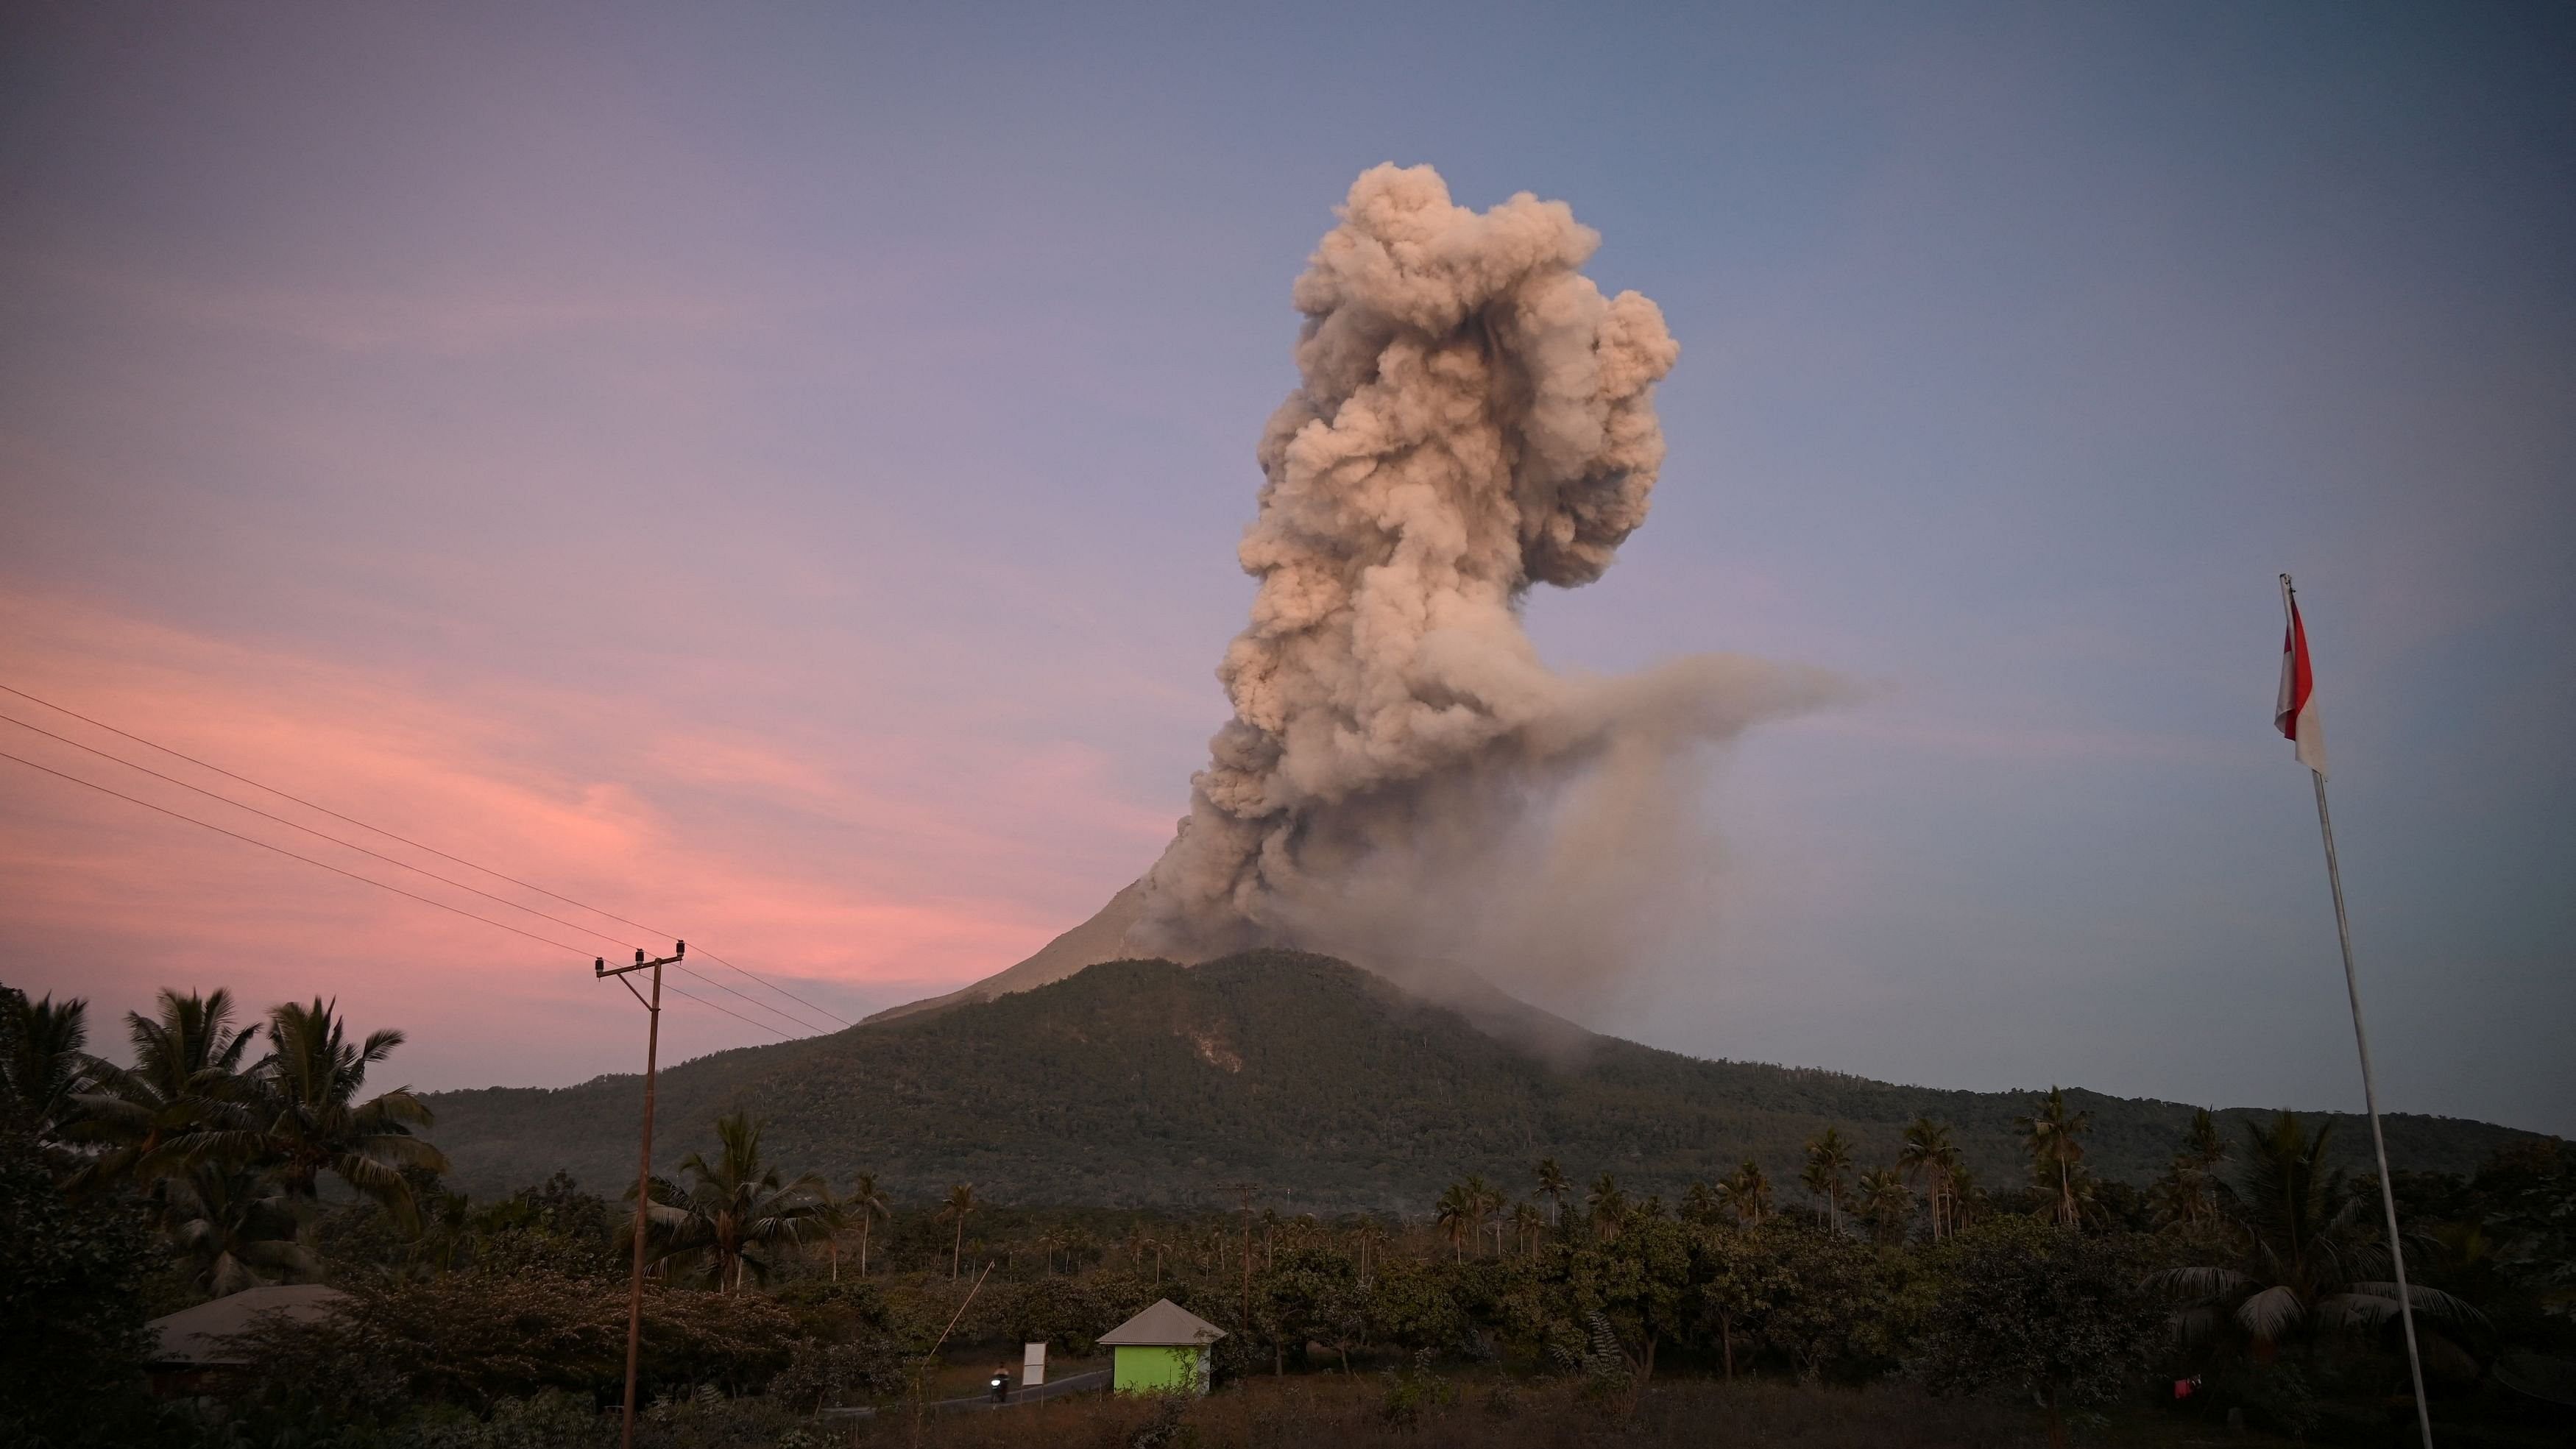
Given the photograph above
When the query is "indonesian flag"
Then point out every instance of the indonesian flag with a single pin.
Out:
(2295, 713)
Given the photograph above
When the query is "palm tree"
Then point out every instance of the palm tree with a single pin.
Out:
(1370, 1236)
(831, 1215)
(866, 1203)
(1962, 1187)
(448, 1231)
(1828, 1163)
(42, 1067)
(2309, 1257)
(1458, 1207)
(1928, 1155)
(1527, 1224)
(2054, 1138)
(187, 1063)
(1484, 1202)
(234, 1228)
(1699, 1203)
(1748, 1192)
(1554, 1185)
(2187, 1195)
(960, 1206)
(734, 1204)
(308, 1114)
(2202, 1146)
(1609, 1207)
(1885, 1203)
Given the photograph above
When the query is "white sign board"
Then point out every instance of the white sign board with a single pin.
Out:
(1033, 1366)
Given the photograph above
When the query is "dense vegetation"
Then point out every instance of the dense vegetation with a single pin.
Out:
(1145, 1084)
(1547, 1299)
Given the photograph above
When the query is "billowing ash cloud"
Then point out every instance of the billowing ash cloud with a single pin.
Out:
(1402, 777)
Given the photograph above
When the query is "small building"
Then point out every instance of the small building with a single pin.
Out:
(193, 1348)
(1163, 1350)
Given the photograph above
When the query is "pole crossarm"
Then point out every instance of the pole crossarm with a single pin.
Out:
(599, 964)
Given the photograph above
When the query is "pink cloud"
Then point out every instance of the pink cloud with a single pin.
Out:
(852, 869)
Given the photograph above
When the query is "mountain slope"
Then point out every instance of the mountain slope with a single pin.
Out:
(1096, 940)
(1145, 1083)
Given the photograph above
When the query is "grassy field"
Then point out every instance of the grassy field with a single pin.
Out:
(1356, 1413)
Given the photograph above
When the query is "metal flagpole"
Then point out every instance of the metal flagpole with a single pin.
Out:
(2369, 1086)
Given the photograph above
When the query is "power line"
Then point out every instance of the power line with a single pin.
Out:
(325, 809)
(772, 985)
(417, 845)
(788, 1017)
(308, 860)
(316, 834)
(365, 880)
(738, 1016)
(754, 1001)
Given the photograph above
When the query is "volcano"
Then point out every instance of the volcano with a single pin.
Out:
(1149, 1084)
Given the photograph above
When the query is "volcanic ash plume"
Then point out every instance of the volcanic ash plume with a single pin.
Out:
(1473, 417)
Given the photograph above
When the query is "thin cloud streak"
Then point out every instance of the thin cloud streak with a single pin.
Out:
(449, 322)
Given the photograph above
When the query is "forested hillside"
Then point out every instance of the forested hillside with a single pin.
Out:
(1142, 1083)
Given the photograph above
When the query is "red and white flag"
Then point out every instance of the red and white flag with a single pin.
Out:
(2295, 713)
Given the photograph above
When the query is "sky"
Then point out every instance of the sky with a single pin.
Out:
(773, 472)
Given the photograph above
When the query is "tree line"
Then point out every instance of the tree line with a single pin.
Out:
(233, 1152)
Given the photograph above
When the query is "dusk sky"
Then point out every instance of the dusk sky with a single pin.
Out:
(774, 473)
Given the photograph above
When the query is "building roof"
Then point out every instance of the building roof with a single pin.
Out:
(196, 1335)
(1165, 1325)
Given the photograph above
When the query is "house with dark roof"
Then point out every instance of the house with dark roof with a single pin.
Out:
(194, 1346)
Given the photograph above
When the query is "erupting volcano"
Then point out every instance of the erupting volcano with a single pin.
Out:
(1404, 784)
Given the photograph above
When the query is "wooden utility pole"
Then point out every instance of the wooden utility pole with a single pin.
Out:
(1244, 1189)
(644, 1170)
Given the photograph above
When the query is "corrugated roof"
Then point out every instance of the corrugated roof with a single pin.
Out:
(196, 1335)
(1165, 1325)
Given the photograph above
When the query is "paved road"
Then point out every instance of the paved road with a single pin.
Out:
(1075, 1384)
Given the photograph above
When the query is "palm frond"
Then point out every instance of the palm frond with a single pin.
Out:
(2430, 1303)
(2202, 1282)
(2197, 1325)
(400, 1105)
(2272, 1313)
(404, 1150)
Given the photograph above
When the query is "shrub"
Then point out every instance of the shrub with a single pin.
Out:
(1828, 1300)
(1413, 1391)
(1166, 1426)
(545, 1421)
(71, 1309)
(1413, 1306)
(820, 1374)
(829, 1311)
(475, 1338)
(2043, 1311)
(709, 1420)
(1064, 1312)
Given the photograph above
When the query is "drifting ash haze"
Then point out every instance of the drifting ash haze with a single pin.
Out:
(1404, 785)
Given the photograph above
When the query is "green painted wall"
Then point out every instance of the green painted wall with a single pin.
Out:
(1158, 1370)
